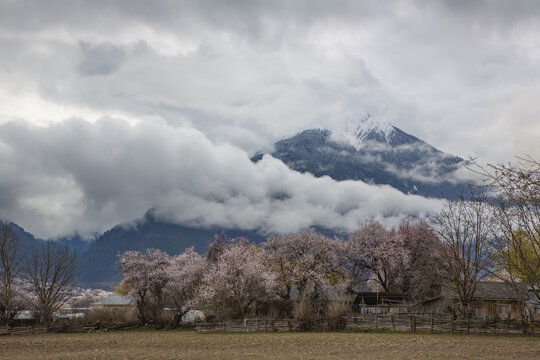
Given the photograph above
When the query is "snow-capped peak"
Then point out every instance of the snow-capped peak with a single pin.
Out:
(355, 131)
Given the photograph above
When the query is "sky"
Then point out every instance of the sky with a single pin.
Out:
(108, 109)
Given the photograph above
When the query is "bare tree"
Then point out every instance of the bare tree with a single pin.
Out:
(51, 273)
(420, 279)
(10, 266)
(465, 253)
(515, 191)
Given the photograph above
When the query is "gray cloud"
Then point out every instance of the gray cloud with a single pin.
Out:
(102, 59)
(443, 71)
(462, 75)
(81, 176)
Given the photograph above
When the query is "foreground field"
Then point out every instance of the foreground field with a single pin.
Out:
(191, 345)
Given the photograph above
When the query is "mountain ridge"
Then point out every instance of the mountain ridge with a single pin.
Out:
(375, 152)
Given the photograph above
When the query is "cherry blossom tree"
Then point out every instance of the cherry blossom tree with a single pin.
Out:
(147, 275)
(239, 276)
(305, 261)
(376, 255)
(186, 274)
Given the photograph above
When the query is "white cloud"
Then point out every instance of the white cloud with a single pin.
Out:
(462, 76)
(77, 175)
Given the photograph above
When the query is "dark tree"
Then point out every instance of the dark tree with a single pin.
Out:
(10, 266)
(51, 271)
(465, 253)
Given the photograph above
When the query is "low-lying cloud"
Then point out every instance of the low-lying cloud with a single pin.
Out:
(80, 176)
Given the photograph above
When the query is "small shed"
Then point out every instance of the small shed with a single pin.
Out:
(115, 301)
(491, 300)
(116, 304)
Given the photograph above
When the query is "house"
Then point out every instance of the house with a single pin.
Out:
(371, 302)
(117, 304)
(491, 300)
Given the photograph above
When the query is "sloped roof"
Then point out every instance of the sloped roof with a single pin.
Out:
(115, 300)
(498, 290)
(495, 290)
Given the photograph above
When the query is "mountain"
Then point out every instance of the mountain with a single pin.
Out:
(98, 263)
(74, 242)
(367, 149)
(26, 240)
(375, 152)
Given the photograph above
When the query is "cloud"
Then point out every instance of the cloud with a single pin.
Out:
(250, 73)
(82, 176)
(102, 59)
(461, 75)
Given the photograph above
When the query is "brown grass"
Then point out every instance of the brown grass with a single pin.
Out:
(191, 345)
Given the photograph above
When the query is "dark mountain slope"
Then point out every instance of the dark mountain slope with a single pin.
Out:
(98, 263)
(373, 153)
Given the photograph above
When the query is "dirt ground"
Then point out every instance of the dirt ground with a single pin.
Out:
(192, 345)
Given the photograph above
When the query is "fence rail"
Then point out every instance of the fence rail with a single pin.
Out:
(65, 328)
(433, 322)
(408, 322)
(247, 325)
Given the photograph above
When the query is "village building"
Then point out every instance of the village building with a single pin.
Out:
(116, 304)
(492, 300)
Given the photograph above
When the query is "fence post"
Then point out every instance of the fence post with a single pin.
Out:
(452, 323)
(393, 323)
(266, 325)
(245, 325)
(414, 323)
(432, 321)
(468, 325)
(376, 321)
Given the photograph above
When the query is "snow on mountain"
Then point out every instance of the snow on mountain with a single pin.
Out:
(375, 152)
(355, 131)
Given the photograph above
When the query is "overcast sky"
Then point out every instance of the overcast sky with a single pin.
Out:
(110, 108)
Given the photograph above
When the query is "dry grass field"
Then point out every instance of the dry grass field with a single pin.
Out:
(192, 345)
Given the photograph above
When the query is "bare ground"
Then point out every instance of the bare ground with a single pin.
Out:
(192, 345)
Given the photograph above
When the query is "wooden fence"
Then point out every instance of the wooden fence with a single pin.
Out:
(433, 322)
(19, 330)
(65, 328)
(409, 322)
(247, 325)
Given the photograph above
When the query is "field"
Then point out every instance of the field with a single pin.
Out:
(192, 345)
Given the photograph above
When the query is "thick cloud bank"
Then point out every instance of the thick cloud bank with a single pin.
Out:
(77, 175)
(462, 75)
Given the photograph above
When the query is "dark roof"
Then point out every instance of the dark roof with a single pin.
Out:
(494, 290)
(115, 300)
(498, 290)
